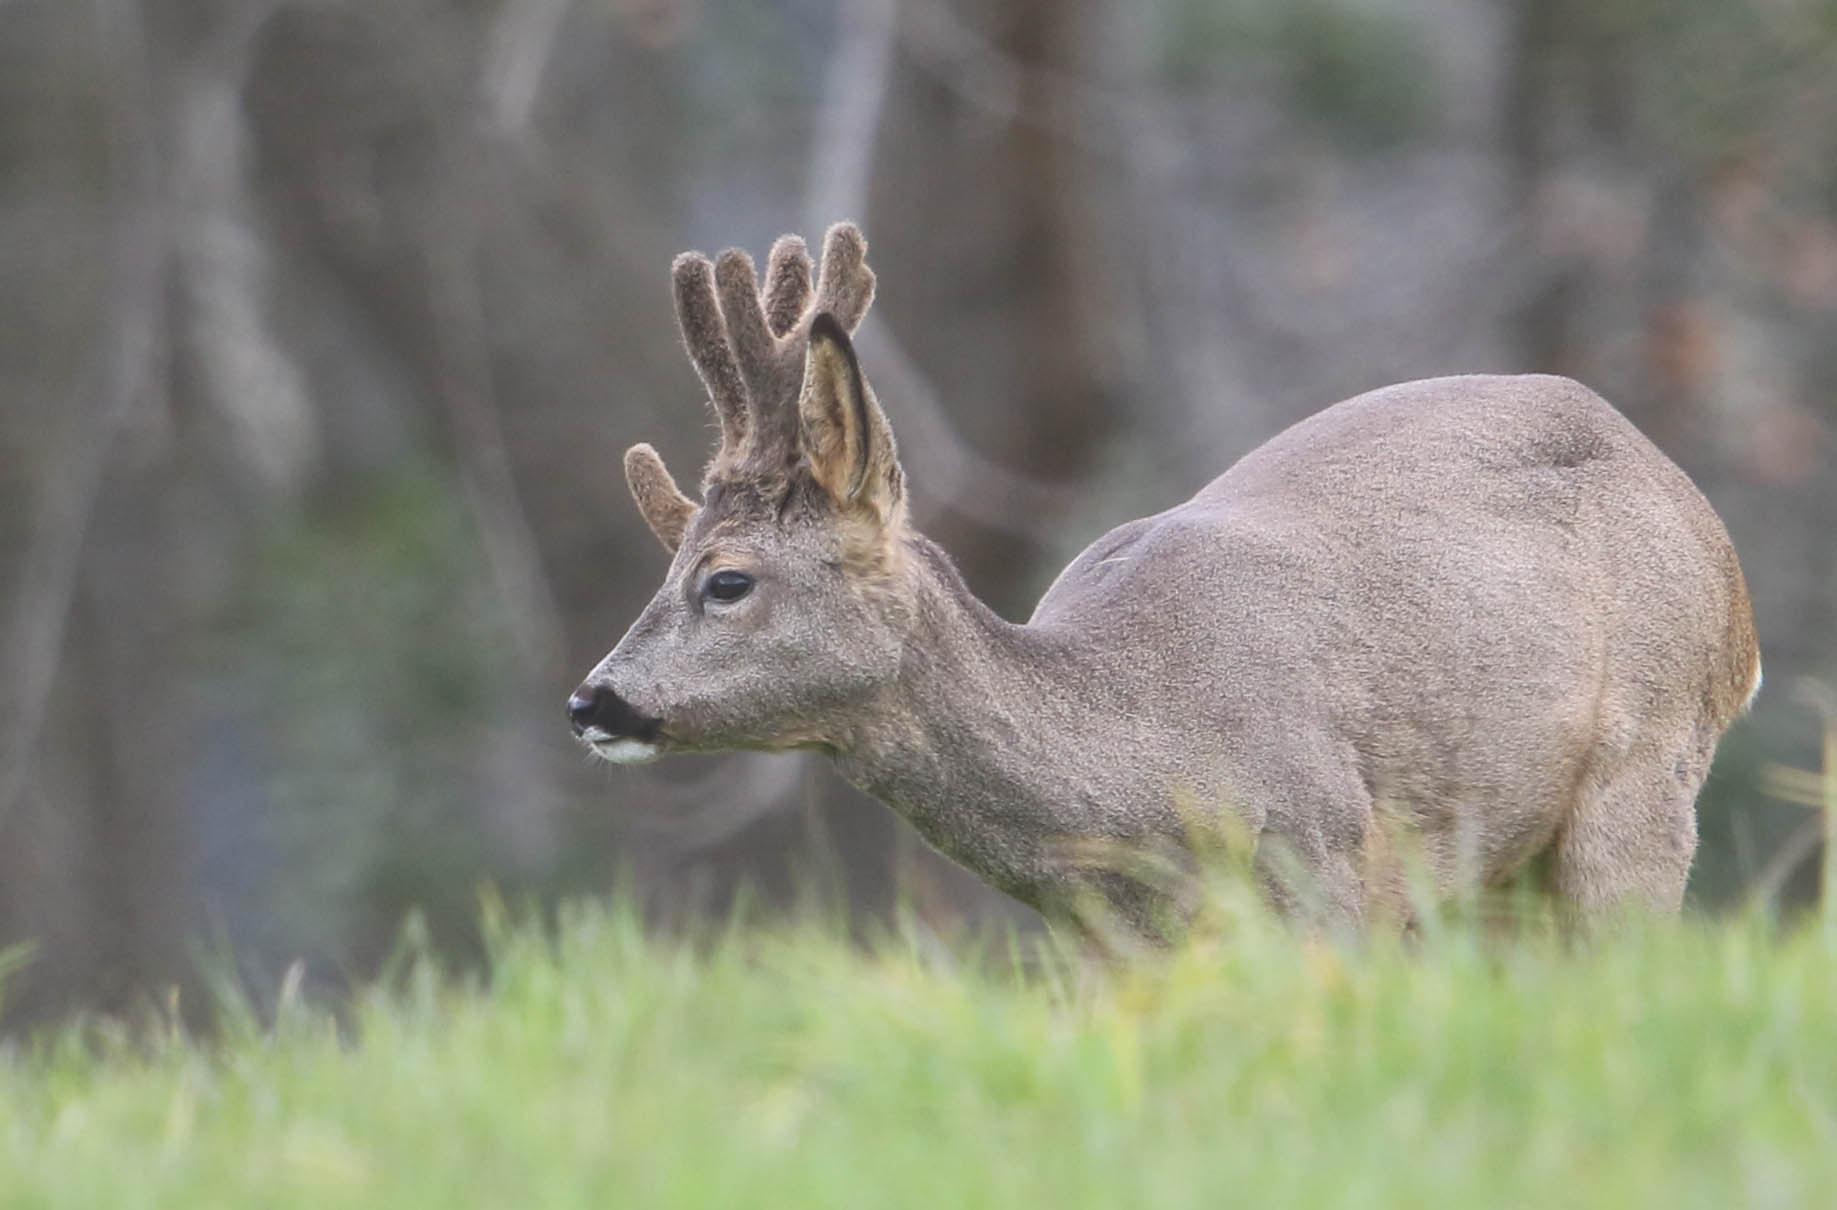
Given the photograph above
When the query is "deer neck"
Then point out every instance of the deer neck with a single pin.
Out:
(999, 742)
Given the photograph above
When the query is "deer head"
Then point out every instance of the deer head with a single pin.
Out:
(775, 620)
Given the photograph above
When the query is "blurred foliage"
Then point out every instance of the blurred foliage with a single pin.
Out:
(749, 65)
(1716, 77)
(368, 656)
(1357, 69)
(1736, 827)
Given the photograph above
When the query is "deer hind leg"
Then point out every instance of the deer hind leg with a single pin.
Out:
(1631, 834)
(1306, 882)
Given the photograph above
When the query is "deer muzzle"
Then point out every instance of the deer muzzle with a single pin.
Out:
(611, 726)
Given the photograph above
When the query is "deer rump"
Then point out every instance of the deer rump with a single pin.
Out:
(1438, 629)
(1402, 648)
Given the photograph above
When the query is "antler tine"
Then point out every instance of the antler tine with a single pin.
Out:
(737, 286)
(845, 285)
(705, 337)
(787, 290)
(662, 504)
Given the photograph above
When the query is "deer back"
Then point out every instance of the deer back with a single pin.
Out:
(1465, 596)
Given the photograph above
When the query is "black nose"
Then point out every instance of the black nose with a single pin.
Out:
(598, 706)
(580, 711)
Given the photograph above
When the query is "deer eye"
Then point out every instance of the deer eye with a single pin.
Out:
(727, 585)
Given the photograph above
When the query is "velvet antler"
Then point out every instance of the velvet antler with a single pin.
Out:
(749, 346)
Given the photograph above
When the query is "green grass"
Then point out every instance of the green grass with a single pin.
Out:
(1675, 1066)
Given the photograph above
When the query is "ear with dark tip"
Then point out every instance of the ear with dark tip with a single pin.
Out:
(787, 284)
(845, 285)
(705, 336)
(666, 510)
(846, 439)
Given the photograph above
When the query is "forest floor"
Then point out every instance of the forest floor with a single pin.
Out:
(1676, 1065)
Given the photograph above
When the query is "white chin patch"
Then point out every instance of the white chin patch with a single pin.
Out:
(624, 751)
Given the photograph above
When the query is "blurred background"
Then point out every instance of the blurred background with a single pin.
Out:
(324, 324)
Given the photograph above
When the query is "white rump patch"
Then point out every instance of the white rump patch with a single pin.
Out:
(1755, 691)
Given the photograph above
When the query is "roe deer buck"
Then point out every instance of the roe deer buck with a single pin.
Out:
(1481, 612)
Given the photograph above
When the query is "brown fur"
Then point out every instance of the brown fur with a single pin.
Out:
(1415, 641)
(845, 287)
(787, 292)
(705, 338)
(666, 510)
(749, 349)
(847, 443)
(751, 341)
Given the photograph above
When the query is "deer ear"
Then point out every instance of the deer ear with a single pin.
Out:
(846, 438)
(666, 510)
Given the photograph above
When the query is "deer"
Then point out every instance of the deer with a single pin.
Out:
(1405, 649)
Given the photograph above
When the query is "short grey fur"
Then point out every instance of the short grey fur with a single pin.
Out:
(1401, 649)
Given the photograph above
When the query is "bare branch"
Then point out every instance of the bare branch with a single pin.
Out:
(486, 475)
(521, 42)
(131, 361)
(842, 156)
(737, 791)
(943, 467)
